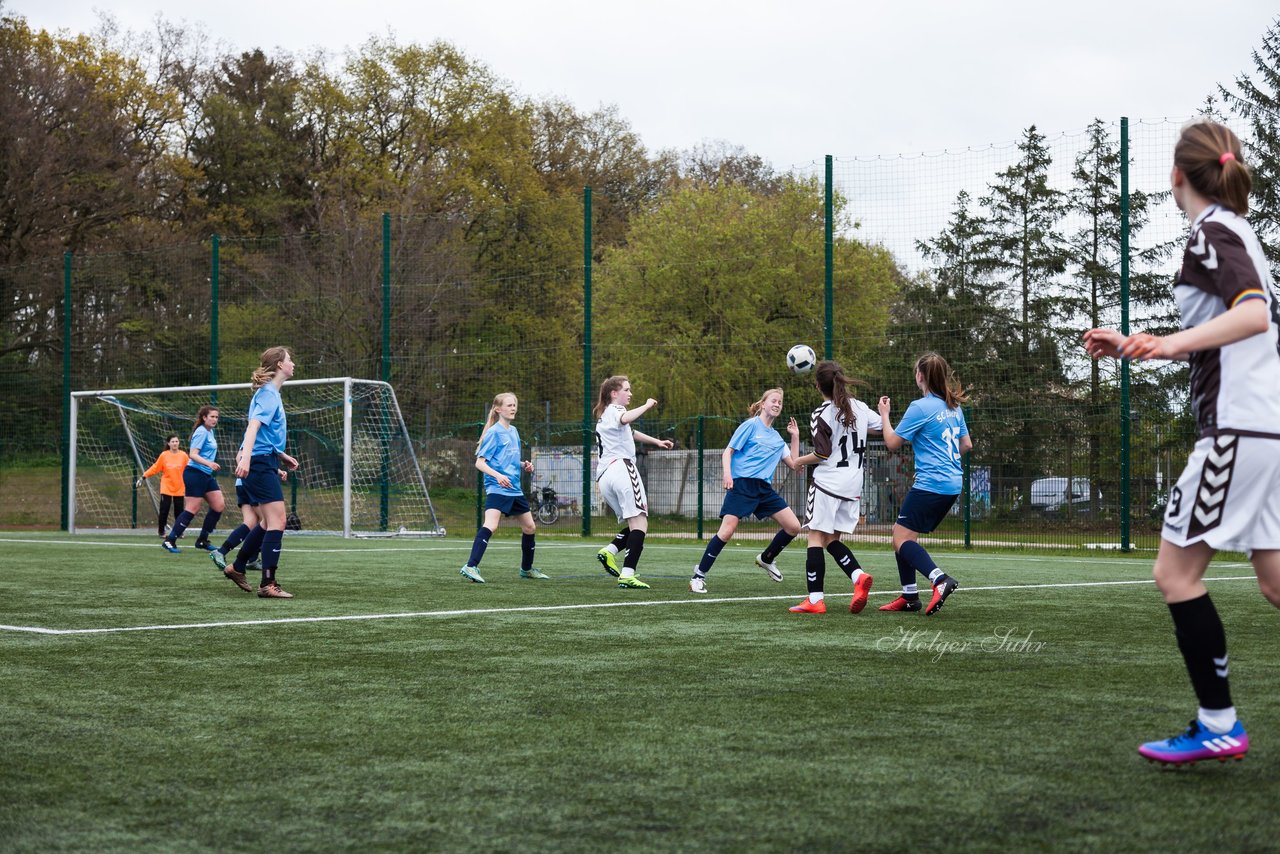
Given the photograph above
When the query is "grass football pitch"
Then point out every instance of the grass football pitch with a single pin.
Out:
(147, 703)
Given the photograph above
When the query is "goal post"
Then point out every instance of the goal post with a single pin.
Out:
(359, 473)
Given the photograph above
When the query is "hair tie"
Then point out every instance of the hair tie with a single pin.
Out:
(1226, 155)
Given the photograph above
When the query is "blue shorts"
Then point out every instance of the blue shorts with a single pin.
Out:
(923, 511)
(262, 484)
(510, 505)
(242, 497)
(752, 495)
(199, 483)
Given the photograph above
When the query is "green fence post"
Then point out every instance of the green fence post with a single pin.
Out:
(1125, 414)
(215, 274)
(384, 505)
(828, 206)
(586, 362)
(968, 502)
(700, 483)
(66, 388)
(134, 496)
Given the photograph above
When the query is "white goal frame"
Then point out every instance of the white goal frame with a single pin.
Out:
(347, 384)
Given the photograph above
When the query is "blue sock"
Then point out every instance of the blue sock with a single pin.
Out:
(249, 551)
(235, 538)
(478, 545)
(709, 556)
(272, 542)
(210, 522)
(526, 551)
(917, 558)
(180, 525)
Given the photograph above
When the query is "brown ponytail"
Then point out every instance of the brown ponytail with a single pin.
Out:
(1209, 155)
(941, 380)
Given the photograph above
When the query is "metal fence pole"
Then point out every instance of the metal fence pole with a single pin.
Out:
(66, 391)
(1126, 417)
(586, 362)
(828, 259)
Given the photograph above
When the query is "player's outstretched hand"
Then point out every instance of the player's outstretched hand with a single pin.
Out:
(1103, 342)
(883, 406)
(137, 484)
(666, 444)
(793, 428)
(1144, 346)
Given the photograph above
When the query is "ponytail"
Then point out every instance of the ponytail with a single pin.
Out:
(498, 401)
(271, 359)
(834, 385)
(941, 380)
(754, 409)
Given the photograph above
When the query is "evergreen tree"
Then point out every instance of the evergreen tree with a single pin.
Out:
(1257, 101)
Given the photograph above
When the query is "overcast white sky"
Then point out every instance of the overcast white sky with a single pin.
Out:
(790, 81)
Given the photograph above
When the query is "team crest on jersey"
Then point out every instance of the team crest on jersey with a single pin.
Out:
(1215, 482)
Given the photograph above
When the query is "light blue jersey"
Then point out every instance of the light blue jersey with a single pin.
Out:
(934, 432)
(756, 450)
(203, 443)
(500, 447)
(268, 408)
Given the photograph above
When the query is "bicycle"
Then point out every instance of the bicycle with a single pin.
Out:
(544, 505)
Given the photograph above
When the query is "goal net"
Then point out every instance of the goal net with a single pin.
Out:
(358, 473)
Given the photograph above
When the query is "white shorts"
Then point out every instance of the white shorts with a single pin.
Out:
(1228, 496)
(829, 514)
(621, 488)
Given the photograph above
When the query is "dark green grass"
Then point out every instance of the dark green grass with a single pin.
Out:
(691, 725)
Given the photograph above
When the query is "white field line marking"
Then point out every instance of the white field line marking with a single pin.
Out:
(468, 612)
(462, 546)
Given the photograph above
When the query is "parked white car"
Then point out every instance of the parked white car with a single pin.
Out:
(1060, 495)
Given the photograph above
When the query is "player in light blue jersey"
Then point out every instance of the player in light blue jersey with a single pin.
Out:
(498, 457)
(748, 464)
(934, 425)
(258, 464)
(200, 483)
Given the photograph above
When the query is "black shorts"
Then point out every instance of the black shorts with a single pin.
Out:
(262, 484)
(510, 505)
(923, 511)
(199, 483)
(752, 495)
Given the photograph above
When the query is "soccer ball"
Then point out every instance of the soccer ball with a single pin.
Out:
(800, 359)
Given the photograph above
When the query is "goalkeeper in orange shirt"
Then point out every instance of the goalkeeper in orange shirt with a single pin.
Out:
(169, 465)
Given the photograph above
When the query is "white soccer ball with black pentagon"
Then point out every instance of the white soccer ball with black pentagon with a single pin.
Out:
(800, 359)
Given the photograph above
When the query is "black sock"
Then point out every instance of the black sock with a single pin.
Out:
(180, 525)
(709, 555)
(210, 523)
(272, 542)
(235, 538)
(815, 568)
(919, 560)
(780, 541)
(844, 558)
(635, 545)
(478, 545)
(249, 551)
(1203, 643)
(526, 551)
(906, 575)
(620, 539)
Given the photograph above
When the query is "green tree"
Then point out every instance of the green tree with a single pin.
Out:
(1257, 101)
(716, 283)
(253, 148)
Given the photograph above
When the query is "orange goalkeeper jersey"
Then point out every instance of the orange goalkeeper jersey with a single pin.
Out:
(171, 463)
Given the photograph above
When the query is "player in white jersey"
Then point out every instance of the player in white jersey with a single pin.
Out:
(1226, 497)
(839, 429)
(619, 479)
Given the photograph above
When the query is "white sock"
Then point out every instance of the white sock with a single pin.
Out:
(933, 576)
(910, 590)
(1218, 720)
(628, 572)
(815, 598)
(857, 573)
(612, 549)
